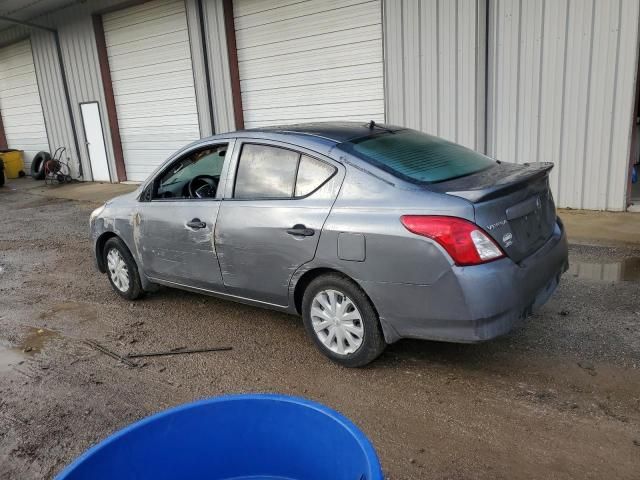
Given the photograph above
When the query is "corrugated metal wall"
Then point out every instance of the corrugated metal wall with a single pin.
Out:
(198, 64)
(435, 67)
(77, 43)
(56, 113)
(54, 105)
(77, 39)
(561, 89)
(80, 57)
(216, 37)
(561, 77)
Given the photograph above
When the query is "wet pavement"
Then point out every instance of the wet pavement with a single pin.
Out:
(609, 270)
(558, 398)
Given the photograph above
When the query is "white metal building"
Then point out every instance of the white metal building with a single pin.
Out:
(122, 84)
(20, 99)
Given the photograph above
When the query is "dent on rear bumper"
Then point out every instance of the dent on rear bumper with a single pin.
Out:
(472, 304)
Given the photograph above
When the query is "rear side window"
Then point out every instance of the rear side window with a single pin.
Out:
(417, 157)
(271, 172)
(266, 172)
(311, 174)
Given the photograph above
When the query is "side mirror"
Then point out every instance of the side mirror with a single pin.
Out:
(147, 193)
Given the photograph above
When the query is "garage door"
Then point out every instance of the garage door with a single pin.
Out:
(150, 63)
(20, 101)
(309, 61)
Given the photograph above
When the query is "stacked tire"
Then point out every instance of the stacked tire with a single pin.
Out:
(37, 165)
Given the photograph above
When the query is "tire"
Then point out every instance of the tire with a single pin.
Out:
(127, 280)
(366, 329)
(37, 165)
(1, 173)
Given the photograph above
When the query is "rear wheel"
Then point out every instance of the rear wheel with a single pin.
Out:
(121, 269)
(341, 320)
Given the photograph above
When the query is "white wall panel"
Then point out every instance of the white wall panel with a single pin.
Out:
(77, 39)
(20, 101)
(307, 61)
(153, 84)
(561, 89)
(434, 67)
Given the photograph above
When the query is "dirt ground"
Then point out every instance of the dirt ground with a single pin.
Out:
(558, 398)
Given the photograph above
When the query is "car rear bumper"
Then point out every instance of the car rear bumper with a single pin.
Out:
(472, 304)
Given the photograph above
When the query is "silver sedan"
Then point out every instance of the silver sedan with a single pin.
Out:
(370, 232)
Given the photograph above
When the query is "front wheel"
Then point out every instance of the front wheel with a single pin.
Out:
(342, 321)
(121, 269)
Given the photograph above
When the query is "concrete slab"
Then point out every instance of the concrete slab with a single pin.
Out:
(588, 227)
(94, 192)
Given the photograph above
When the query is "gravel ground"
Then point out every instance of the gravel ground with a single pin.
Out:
(558, 398)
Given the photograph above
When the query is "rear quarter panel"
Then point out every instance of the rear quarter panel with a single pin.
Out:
(372, 207)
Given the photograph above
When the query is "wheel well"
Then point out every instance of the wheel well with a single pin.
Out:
(102, 239)
(306, 279)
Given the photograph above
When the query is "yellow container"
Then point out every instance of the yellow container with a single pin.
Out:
(13, 163)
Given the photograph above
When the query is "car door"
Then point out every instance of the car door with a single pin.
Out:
(176, 226)
(277, 199)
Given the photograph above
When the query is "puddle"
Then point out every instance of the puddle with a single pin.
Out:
(35, 339)
(625, 270)
(31, 344)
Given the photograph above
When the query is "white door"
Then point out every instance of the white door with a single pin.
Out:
(20, 101)
(152, 75)
(309, 61)
(95, 141)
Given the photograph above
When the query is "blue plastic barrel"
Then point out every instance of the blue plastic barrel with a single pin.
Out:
(257, 436)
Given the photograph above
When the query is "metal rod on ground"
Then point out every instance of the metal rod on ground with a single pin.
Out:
(108, 352)
(179, 352)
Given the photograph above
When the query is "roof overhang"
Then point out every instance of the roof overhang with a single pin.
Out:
(21, 12)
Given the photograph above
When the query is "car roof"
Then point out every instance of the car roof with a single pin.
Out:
(333, 132)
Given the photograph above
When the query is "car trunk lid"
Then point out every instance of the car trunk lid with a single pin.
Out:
(512, 203)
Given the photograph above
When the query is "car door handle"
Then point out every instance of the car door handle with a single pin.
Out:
(196, 223)
(300, 230)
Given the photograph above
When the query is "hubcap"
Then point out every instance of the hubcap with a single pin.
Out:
(118, 271)
(337, 322)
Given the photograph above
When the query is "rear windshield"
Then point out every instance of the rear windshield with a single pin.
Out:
(416, 156)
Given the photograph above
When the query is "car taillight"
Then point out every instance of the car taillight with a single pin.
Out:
(467, 243)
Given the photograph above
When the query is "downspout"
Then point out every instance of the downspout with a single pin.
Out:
(205, 58)
(234, 70)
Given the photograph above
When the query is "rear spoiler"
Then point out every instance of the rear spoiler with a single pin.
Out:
(500, 179)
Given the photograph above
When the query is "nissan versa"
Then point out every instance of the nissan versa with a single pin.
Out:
(371, 232)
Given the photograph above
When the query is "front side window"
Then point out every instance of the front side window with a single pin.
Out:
(195, 176)
(271, 172)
